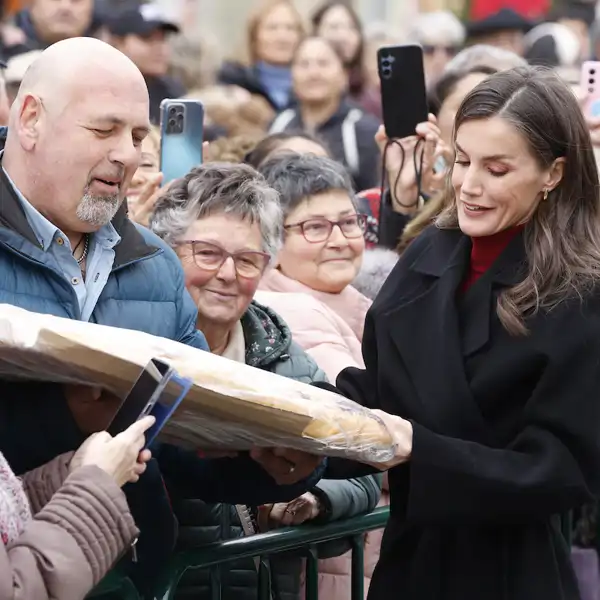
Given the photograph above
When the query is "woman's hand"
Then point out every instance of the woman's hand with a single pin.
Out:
(593, 123)
(142, 208)
(402, 435)
(401, 173)
(283, 514)
(121, 456)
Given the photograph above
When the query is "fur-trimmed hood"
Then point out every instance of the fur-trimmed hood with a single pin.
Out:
(377, 265)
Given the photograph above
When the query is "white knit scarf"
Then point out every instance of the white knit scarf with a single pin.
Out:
(14, 506)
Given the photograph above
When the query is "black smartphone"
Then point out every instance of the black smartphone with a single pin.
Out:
(403, 92)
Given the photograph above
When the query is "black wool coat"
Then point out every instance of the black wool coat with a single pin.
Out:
(506, 428)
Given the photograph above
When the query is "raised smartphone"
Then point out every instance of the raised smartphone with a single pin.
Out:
(158, 392)
(403, 92)
(590, 87)
(181, 137)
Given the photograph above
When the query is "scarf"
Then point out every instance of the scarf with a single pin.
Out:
(14, 506)
(277, 81)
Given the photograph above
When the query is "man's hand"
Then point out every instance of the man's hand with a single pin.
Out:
(285, 466)
(92, 408)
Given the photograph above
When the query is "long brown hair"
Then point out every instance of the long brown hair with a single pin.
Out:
(562, 239)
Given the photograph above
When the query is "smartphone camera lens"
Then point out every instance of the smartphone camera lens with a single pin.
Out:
(175, 119)
(591, 81)
(592, 71)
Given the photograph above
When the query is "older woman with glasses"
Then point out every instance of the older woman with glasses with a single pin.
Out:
(225, 223)
(322, 252)
(321, 255)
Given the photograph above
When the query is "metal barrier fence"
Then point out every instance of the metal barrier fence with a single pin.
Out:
(306, 538)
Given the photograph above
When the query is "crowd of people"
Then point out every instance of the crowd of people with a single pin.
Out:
(459, 300)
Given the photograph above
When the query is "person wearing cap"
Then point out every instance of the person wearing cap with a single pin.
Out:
(45, 22)
(142, 34)
(504, 29)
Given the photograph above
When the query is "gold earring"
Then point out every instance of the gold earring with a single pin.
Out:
(546, 192)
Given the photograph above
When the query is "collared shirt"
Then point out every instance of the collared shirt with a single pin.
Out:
(100, 258)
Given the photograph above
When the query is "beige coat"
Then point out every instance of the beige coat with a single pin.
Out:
(81, 526)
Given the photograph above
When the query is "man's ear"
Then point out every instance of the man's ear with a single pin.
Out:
(28, 120)
(555, 174)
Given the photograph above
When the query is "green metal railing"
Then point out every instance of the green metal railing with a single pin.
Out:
(305, 538)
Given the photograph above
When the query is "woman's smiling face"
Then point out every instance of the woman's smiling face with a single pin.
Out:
(497, 181)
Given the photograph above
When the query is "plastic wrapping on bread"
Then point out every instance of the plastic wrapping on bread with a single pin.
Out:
(229, 406)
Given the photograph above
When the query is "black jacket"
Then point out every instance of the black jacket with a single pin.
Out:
(505, 428)
(350, 138)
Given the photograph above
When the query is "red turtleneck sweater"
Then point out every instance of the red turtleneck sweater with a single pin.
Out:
(485, 251)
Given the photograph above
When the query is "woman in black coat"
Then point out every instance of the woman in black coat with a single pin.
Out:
(482, 354)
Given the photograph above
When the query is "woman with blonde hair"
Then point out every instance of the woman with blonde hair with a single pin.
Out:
(274, 31)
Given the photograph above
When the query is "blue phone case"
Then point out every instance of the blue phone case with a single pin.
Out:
(181, 137)
(158, 391)
(163, 408)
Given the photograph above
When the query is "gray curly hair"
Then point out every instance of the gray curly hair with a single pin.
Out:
(237, 190)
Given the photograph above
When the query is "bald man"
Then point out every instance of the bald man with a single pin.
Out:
(67, 248)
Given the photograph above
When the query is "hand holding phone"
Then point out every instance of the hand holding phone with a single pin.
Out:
(122, 457)
(400, 159)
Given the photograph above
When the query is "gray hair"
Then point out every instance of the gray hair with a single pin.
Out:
(438, 27)
(483, 55)
(299, 176)
(236, 190)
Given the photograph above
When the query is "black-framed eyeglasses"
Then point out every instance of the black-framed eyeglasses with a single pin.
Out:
(319, 230)
(211, 257)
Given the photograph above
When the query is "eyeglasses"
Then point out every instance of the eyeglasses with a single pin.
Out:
(449, 50)
(319, 230)
(211, 257)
